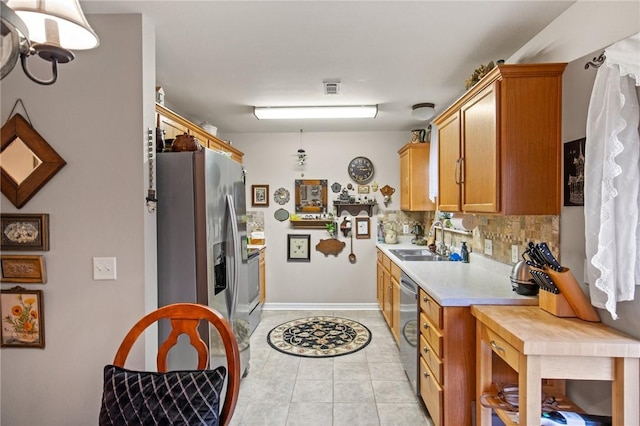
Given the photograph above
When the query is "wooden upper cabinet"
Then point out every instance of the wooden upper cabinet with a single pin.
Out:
(500, 143)
(414, 177)
(449, 162)
(173, 125)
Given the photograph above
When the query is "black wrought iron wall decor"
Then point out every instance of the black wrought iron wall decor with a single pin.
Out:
(596, 62)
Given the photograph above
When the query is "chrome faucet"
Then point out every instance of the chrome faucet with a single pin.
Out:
(439, 248)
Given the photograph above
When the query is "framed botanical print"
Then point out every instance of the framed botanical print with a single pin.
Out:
(298, 248)
(260, 195)
(22, 318)
(363, 227)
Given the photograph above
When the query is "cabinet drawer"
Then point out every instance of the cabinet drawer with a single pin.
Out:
(431, 393)
(503, 349)
(395, 271)
(431, 334)
(431, 308)
(433, 361)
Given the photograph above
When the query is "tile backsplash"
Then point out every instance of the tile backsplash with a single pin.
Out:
(503, 231)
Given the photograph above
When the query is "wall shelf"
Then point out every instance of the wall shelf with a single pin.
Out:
(354, 209)
(310, 223)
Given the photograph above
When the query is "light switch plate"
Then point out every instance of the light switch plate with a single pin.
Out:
(405, 228)
(515, 255)
(104, 268)
(488, 247)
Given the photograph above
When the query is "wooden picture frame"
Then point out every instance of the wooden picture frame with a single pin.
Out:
(24, 232)
(298, 248)
(28, 161)
(260, 195)
(363, 228)
(311, 195)
(23, 269)
(22, 313)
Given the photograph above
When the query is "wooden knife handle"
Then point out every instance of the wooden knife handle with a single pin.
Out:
(569, 287)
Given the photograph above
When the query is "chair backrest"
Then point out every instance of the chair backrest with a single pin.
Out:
(185, 318)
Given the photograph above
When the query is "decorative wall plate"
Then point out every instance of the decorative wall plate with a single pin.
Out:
(281, 215)
(336, 187)
(281, 196)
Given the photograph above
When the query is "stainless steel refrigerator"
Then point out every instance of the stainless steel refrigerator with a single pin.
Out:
(202, 245)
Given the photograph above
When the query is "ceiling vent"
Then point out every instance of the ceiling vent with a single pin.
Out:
(331, 87)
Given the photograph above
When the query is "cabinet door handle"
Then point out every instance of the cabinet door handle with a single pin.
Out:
(425, 349)
(462, 170)
(456, 173)
(425, 299)
(425, 326)
(495, 346)
(426, 375)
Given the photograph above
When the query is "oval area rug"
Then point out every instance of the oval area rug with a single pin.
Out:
(320, 337)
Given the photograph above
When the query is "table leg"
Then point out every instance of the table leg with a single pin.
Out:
(625, 391)
(530, 389)
(483, 376)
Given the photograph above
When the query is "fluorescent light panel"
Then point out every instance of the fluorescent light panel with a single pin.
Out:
(352, 111)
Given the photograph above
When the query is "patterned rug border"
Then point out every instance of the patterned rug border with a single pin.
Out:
(324, 355)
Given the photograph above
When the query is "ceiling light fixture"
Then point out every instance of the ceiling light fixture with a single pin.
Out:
(423, 111)
(46, 28)
(352, 111)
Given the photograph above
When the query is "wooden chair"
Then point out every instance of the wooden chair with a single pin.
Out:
(185, 318)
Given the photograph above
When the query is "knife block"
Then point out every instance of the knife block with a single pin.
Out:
(555, 304)
(576, 301)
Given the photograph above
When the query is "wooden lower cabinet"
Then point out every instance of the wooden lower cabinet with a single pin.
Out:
(388, 292)
(447, 361)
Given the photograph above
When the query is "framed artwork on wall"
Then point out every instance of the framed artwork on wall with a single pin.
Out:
(24, 232)
(260, 195)
(298, 248)
(363, 228)
(574, 172)
(22, 318)
(23, 269)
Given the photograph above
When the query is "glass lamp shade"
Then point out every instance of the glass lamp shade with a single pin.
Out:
(57, 22)
(423, 111)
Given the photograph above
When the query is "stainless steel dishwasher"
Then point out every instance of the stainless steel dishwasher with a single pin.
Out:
(409, 329)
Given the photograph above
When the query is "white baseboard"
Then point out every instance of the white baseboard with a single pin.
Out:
(320, 307)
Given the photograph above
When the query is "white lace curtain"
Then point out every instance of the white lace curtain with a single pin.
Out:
(612, 178)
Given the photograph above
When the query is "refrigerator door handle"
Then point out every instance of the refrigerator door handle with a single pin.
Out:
(233, 281)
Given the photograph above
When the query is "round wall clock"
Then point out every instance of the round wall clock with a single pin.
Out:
(360, 169)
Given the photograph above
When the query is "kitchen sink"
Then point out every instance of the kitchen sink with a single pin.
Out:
(417, 255)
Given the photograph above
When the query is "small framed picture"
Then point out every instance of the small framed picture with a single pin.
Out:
(25, 232)
(23, 269)
(260, 195)
(363, 228)
(363, 189)
(298, 248)
(22, 318)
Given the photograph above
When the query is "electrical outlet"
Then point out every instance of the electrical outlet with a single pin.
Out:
(515, 255)
(104, 268)
(405, 228)
(488, 247)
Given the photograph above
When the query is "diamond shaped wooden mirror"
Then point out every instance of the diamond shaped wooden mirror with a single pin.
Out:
(27, 161)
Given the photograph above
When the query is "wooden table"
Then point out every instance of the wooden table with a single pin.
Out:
(538, 345)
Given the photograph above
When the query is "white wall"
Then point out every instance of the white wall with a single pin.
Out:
(270, 158)
(95, 117)
(577, 36)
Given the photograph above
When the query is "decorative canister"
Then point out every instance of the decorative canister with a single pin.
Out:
(185, 142)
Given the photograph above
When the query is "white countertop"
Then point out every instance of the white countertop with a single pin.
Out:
(482, 281)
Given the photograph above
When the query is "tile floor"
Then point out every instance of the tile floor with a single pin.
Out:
(368, 387)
